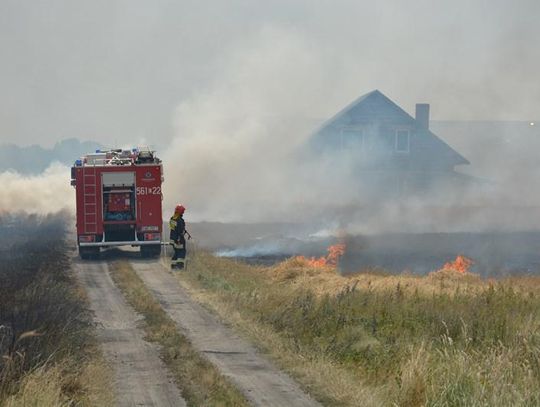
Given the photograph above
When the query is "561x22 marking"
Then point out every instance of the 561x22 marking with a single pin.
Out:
(148, 190)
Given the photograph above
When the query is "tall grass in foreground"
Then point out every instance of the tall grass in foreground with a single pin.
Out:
(47, 351)
(371, 339)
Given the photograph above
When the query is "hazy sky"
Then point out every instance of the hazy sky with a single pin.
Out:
(116, 71)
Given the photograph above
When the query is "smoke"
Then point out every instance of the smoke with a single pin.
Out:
(233, 157)
(48, 192)
(240, 152)
(251, 80)
(272, 246)
(240, 148)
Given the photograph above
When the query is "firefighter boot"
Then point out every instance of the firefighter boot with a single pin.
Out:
(177, 264)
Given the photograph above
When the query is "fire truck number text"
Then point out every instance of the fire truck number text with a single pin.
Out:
(148, 190)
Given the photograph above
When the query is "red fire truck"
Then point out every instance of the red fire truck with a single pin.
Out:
(119, 198)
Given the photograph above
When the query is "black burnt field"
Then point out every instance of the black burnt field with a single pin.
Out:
(495, 254)
(45, 328)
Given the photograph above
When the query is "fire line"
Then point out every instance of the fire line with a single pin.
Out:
(330, 260)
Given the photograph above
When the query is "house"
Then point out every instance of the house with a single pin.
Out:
(384, 148)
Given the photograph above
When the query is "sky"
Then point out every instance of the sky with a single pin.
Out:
(132, 72)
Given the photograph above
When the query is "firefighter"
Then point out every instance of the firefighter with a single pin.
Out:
(178, 234)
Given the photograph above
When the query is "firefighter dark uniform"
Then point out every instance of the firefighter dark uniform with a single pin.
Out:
(177, 226)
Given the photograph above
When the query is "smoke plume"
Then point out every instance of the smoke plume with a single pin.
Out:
(240, 152)
(234, 157)
(252, 80)
(48, 192)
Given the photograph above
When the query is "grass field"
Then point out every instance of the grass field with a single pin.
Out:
(373, 339)
(48, 354)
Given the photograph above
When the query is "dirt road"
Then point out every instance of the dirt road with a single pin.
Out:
(141, 378)
(255, 376)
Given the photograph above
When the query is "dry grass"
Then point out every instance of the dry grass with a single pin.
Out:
(375, 339)
(47, 386)
(296, 273)
(42, 387)
(320, 376)
(200, 382)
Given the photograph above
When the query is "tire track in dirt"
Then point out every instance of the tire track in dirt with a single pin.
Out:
(256, 377)
(141, 378)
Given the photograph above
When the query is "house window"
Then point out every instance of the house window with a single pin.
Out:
(402, 141)
(352, 139)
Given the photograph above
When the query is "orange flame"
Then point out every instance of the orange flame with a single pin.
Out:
(331, 259)
(461, 264)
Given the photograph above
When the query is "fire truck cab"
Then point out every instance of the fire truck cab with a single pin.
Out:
(118, 196)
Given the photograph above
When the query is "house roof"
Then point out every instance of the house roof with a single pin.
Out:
(375, 106)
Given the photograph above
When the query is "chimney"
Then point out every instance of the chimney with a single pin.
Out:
(422, 115)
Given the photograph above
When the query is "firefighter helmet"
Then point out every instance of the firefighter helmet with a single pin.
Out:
(179, 209)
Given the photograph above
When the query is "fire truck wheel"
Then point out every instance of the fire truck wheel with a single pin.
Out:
(150, 251)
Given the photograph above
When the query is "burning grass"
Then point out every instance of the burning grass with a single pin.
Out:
(48, 356)
(450, 338)
(331, 260)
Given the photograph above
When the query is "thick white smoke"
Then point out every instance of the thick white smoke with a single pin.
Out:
(236, 153)
(48, 192)
(233, 156)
